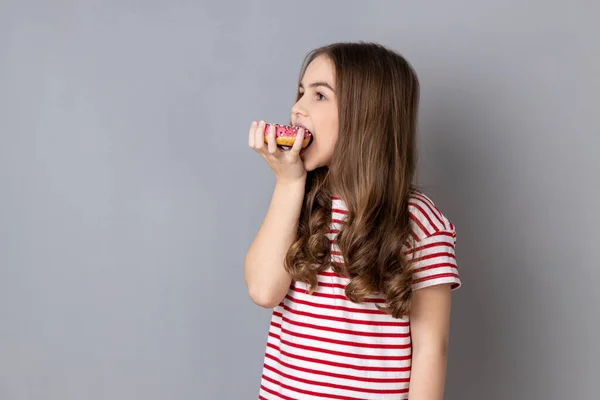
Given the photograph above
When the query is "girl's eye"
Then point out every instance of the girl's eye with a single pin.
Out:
(320, 96)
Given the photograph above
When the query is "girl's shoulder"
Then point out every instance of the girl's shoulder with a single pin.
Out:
(426, 218)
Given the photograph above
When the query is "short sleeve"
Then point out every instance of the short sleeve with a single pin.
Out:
(433, 260)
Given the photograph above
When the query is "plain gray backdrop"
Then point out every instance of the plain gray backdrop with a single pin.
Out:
(129, 196)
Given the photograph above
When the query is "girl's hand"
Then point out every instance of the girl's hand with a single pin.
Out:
(286, 164)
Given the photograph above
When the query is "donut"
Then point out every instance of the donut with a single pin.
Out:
(285, 136)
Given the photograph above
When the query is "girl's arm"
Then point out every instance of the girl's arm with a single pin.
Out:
(429, 324)
(264, 273)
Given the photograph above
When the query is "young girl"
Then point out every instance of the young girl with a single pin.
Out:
(357, 263)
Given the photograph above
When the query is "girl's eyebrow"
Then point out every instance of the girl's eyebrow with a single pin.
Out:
(317, 84)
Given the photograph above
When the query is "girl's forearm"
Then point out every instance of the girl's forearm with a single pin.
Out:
(264, 273)
(428, 375)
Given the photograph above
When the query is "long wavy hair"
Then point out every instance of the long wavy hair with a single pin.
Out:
(372, 171)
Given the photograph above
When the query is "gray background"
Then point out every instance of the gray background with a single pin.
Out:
(128, 195)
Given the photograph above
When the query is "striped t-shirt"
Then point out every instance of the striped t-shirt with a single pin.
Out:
(323, 346)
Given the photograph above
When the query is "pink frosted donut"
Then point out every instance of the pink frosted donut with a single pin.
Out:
(285, 135)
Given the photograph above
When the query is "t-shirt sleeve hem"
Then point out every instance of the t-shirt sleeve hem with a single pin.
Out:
(453, 280)
(434, 261)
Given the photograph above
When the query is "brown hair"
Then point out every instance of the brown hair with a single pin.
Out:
(372, 170)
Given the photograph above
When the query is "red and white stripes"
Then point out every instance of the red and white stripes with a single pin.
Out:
(323, 346)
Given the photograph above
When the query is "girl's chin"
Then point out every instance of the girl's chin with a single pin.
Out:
(309, 166)
(307, 156)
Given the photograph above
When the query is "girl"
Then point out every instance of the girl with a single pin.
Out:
(357, 263)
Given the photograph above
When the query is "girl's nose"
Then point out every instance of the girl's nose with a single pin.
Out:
(299, 111)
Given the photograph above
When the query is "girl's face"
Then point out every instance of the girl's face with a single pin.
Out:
(317, 111)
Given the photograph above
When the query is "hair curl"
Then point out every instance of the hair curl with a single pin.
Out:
(372, 170)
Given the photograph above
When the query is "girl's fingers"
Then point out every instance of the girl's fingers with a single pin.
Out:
(272, 144)
(251, 134)
(295, 150)
(259, 136)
